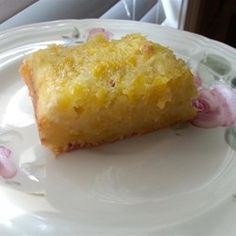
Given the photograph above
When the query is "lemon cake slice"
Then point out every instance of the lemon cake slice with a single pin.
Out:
(102, 91)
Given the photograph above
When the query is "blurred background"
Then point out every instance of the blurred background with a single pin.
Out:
(215, 19)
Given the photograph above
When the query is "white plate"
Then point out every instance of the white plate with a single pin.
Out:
(131, 187)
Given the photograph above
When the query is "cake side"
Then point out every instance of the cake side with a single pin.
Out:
(28, 78)
(104, 91)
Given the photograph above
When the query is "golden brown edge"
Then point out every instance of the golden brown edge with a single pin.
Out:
(26, 76)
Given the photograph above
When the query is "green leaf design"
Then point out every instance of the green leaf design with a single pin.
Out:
(73, 38)
(75, 33)
(218, 64)
(206, 74)
(233, 82)
(230, 137)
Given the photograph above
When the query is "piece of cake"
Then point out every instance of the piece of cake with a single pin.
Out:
(102, 91)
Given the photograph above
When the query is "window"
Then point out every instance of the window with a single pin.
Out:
(166, 12)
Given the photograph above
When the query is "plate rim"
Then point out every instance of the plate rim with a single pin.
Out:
(5, 34)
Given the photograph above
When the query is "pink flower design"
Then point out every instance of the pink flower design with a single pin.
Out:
(93, 32)
(215, 107)
(8, 168)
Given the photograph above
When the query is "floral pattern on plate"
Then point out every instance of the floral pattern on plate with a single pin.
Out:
(8, 168)
(216, 104)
